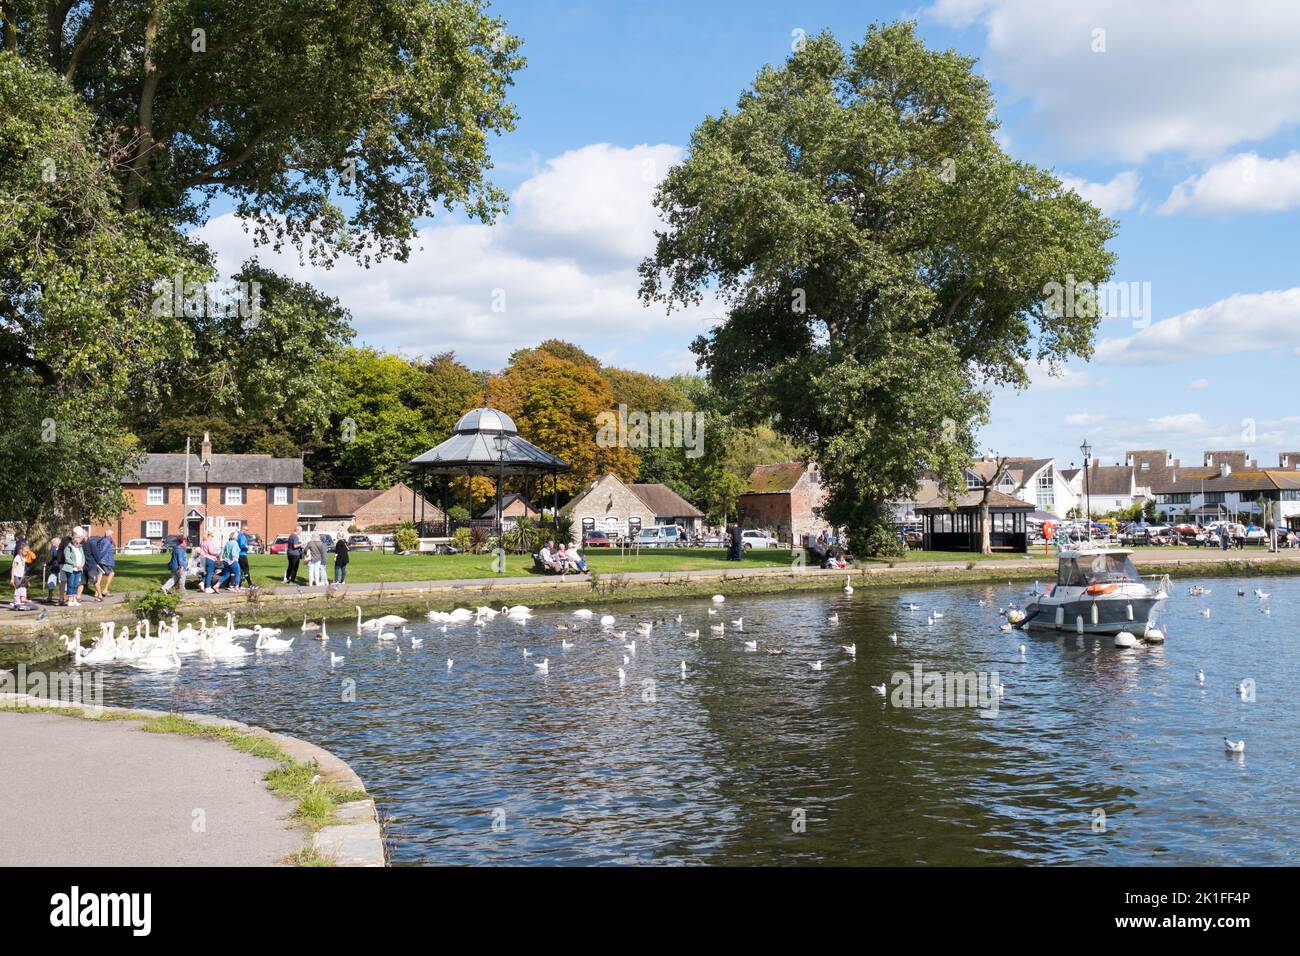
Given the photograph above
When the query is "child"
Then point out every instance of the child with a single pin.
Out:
(19, 575)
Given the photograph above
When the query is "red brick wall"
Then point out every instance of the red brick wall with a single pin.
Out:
(769, 512)
(257, 514)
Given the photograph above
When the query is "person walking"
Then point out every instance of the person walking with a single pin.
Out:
(293, 554)
(106, 562)
(210, 551)
(74, 566)
(53, 570)
(245, 574)
(341, 559)
(315, 552)
(229, 562)
(176, 566)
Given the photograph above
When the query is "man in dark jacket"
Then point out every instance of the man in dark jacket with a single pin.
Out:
(177, 566)
(341, 559)
(105, 555)
(53, 567)
(294, 554)
(737, 543)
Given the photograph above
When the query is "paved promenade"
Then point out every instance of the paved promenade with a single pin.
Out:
(77, 792)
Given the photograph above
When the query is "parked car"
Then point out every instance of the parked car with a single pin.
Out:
(280, 545)
(660, 536)
(757, 539)
(596, 539)
(139, 546)
(709, 540)
(388, 542)
(254, 542)
(360, 542)
(327, 540)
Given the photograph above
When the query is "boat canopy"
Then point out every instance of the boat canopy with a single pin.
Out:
(1083, 568)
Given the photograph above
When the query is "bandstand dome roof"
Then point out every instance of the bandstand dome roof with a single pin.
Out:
(472, 449)
(486, 419)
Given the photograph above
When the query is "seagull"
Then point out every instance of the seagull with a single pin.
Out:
(1262, 595)
(937, 615)
(816, 665)
(910, 607)
(848, 586)
(644, 629)
(929, 621)
(449, 663)
(1238, 748)
(738, 623)
(893, 638)
(417, 642)
(693, 635)
(850, 649)
(526, 652)
(544, 667)
(712, 612)
(626, 660)
(679, 619)
(879, 689)
(834, 618)
(630, 647)
(751, 645)
(335, 659)
(566, 645)
(1200, 677)
(1006, 628)
(1242, 690)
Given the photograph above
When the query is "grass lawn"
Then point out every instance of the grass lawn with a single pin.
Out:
(138, 572)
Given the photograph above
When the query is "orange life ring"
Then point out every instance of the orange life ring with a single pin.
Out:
(1102, 588)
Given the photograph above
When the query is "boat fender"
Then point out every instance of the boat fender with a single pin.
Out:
(1125, 639)
(1016, 616)
(1154, 636)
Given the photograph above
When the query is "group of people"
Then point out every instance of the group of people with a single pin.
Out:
(566, 560)
(824, 553)
(311, 546)
(76, 561)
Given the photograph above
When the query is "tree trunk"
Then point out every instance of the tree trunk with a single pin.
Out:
(986, 538)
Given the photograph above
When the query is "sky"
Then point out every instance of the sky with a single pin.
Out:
(1179, 118)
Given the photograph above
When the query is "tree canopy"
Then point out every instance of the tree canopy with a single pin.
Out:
(881, 259)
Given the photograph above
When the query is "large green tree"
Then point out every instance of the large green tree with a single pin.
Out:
(881, 259)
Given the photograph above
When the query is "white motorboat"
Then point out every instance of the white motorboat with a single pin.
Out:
(1097, 591)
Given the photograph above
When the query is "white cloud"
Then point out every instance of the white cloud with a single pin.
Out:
(1112, 197)
(1173, 76)
(564, 260)
(1042, 376)
(1084, 419)
(1241, 183)
(1199, 383)
(1240, 323)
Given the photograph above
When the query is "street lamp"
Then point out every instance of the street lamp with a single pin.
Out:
(1087, 455)
(501, 442)
(206, 466)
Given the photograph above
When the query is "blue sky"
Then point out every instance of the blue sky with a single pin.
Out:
(1180, 120)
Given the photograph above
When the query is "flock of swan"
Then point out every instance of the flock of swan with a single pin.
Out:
(164, 649)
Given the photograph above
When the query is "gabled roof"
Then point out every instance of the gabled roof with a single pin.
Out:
(1109, 480)
(1019, 469)
(506, 502)
(665, 502)
(775, 479)
(169, 469)
(335, 502)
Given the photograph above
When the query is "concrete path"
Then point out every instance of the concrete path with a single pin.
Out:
(77, 792)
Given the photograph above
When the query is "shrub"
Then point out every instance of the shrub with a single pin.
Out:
(406, 538)
(458, 513)
(462, 539)
(156, 605)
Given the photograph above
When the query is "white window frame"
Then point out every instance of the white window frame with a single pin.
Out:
(153, 528)
(280, 495)
(239, 496)
(196, 495)
(159, 499)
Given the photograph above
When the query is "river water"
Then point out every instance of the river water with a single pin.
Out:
(1094, 755)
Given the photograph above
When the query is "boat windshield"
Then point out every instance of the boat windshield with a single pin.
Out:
(1097, 569)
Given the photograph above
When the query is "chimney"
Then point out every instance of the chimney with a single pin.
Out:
(205, 453)
(1225, 469)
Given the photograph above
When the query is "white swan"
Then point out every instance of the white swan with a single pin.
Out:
(336, 659)
(693, 635)
(816, 665)
(607, 620)
(848, 586)
(544, 667)
(718, 599)
(309, 626)
(565, 645)
(850, 649)
(583, 613)
(267, 641)
(751, 645)
(622, 677)
(834, 618)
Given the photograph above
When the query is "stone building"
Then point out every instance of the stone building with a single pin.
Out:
(784, 499)
(620, 509)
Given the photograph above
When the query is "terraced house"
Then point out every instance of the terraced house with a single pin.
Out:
(172, 494)
(1230, 485)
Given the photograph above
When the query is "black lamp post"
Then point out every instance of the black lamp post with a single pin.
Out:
(1087, 453)
(501, 442)
(206, 466)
